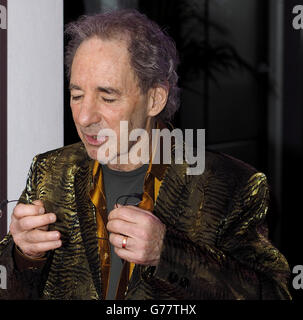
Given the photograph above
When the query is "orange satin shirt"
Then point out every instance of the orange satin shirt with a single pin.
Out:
(151, 189)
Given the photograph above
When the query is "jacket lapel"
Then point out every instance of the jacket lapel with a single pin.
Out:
(87, 220)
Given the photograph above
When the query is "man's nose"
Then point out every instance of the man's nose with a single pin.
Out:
(89, 113)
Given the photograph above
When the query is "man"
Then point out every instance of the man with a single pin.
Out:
(190, 237)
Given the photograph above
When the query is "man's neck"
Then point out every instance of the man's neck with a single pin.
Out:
(124, 167)
(130, 166)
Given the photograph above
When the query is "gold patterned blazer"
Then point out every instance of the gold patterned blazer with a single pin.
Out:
(215, 246)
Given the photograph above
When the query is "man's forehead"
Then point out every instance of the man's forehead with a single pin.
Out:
(105, 66)
(96, 55)
(95, 45)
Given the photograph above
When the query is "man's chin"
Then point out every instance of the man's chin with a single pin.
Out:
(92, 152)
(95, 154)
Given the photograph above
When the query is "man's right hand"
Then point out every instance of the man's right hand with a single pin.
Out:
(29, 228)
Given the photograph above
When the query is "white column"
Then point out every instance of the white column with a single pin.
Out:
(35, 86)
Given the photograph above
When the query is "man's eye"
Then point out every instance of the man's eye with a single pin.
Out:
(76, 98)
(109, 100)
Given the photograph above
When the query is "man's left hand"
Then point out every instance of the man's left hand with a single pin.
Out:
(144, 232)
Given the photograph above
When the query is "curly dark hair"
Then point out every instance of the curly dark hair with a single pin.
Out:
(153, 54)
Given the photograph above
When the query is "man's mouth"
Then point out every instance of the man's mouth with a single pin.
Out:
(95, 140)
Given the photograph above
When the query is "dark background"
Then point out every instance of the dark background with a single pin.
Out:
(241, 78)
(3, 123)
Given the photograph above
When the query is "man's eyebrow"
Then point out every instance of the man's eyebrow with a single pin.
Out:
(74, 87)
(109, 90)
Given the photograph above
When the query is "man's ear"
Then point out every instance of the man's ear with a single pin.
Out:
(157, 100)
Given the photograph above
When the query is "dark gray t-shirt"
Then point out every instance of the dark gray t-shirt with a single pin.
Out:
(116, 184)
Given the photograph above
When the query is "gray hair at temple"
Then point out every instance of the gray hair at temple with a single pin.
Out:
(153, 55)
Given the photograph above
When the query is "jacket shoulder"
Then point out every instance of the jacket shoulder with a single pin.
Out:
(223, 166)
(219, 169)
(71, 154)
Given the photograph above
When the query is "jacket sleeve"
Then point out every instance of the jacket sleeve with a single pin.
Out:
(24, 275)
(242, 264)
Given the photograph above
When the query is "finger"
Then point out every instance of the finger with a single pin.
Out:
(32, 222)
(131, 230)
(141, 211)
(38, 203)
(127, 213)
(124, 254)
(44, 228)
(41, 211)
(129, 256)
(117, 239)
(23, 210)
(40, 247)
(131, 214)
(136, 258)
(36, 235)
(151, 214)
(120, 227)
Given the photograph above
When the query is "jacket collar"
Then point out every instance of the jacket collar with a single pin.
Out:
(87, 219)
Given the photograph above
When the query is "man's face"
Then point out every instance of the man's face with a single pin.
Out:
(105, 91)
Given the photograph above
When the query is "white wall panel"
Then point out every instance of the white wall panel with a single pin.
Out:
(35, 85)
